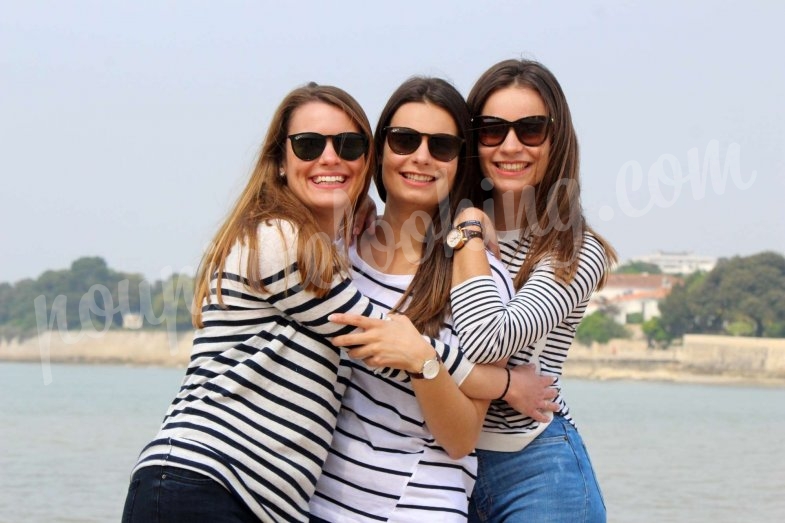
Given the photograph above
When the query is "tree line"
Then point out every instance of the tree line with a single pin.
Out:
(90, 294)
(741, 296)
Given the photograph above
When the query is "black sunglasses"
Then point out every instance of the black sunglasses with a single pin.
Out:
(492, 130)
(348, 146)
(443, 147)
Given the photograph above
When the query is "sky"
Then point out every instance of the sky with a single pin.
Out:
(128, 129)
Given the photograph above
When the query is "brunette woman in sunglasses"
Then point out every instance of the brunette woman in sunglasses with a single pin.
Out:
(527, 152)
(402, 451)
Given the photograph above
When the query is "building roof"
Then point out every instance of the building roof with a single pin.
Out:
(642, 281)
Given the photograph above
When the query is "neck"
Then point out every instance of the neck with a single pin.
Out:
(329, 225)
(513, 211)
(396, 245)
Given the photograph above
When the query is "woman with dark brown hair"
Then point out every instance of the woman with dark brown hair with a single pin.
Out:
(402, 451)
(528, 182)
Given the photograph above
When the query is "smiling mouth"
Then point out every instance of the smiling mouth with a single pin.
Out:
(415, 177)
(332, 179)
(512, 166)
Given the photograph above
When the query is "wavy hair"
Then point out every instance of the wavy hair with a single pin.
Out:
(267, 197)
(557, 225)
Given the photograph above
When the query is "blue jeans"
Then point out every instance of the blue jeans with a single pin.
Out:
(174, 495)
(551, 480)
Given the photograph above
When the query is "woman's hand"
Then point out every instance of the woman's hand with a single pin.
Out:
(531, 394)
(393, 342)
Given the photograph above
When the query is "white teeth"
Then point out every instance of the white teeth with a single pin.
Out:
(329, 179)
(509, 166)
(418, 177)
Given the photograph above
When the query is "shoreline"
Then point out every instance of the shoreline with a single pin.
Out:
(617, 360)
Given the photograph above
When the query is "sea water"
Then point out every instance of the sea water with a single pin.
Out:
(662, 451)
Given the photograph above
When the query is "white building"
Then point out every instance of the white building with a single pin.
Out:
(679, 262)
(626, 294)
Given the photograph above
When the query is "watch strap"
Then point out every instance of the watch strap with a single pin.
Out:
(470, 223)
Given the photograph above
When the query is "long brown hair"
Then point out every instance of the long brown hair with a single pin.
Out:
(558, 225)
(429, 290)
(267, 196)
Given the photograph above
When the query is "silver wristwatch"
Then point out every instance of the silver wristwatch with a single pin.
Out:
(430, 369)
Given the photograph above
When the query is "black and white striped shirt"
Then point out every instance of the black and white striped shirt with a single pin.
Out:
(384, 464)
(257, 408)
(544, 306)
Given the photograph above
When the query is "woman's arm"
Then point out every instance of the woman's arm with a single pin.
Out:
(311, 313)
(541, 304)
(454, 419)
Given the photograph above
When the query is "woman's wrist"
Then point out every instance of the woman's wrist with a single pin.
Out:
(472, 215)
(421, 353)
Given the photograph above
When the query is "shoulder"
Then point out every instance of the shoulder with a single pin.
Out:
(502, 277)
(277, 226)
(593, 252)
(276, 242)
(276, 236)
(592, 263)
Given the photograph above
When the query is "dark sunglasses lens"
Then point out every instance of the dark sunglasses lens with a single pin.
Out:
(403, 141)
(308, 146)
(532, 131)
(444, 147)
(350, 146)
(492, 131)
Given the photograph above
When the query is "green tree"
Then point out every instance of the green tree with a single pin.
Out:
(90, 284)
(638, 267)
(655, 333)
(676, 309)
(634, 318)
(173, 301)
(741, 290)
(601, 328)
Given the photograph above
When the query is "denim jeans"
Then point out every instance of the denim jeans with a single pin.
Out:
(551, 480)
(174, 495)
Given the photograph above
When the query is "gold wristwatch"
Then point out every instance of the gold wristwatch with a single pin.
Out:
(458, 236)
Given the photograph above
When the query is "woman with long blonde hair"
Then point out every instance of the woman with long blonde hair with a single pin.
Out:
(246, 437)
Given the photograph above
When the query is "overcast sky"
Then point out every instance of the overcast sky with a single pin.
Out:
(127, 129)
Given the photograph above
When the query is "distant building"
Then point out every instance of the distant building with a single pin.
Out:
(626, 294)
(679, 262)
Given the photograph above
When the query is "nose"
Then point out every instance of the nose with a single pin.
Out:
(329, 155)
(511, 142)
(422, 154)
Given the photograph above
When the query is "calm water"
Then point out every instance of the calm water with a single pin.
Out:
(663, 452)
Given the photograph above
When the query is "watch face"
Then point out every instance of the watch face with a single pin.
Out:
(454, 238)
(430, 369)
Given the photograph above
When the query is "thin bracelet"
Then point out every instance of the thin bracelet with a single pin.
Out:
(507, 387)
(471, 223)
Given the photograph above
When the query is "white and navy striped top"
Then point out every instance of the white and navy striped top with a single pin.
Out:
(384, 464)
(258, 405)
(544, 306)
